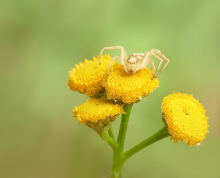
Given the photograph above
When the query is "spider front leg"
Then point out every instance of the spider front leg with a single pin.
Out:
(159, 56)
(121, 58)
(146, 60)
(111, 62)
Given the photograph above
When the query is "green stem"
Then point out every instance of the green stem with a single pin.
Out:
(111, 132)
(162, 133)
(107, 137)
(118, 151)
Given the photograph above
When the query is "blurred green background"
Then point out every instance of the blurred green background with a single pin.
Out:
(41, 40)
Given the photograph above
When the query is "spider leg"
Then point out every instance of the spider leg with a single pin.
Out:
(111, 62)
(159, 56)
(152, 66)
(145, 60)
(123, 56)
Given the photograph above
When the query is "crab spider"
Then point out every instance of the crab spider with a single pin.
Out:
(137, 61)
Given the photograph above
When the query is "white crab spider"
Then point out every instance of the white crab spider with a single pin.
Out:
(137, 61)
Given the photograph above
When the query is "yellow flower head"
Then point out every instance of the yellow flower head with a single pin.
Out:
(129, 88)
(97, 112)
(87, 76)
(185, 118)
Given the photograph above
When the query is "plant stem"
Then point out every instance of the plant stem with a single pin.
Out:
(104, 133)
(118, 151)
(111, 132)
(162, 133)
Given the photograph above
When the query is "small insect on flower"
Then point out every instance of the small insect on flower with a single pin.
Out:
(137, 61)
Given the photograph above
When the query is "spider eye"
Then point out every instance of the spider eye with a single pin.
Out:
(132, 60)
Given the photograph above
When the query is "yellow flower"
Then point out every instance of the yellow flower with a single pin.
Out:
(185, 118)
(129, 88)
(87, 77)
(97, 112)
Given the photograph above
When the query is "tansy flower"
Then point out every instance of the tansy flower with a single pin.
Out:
(129, 88)
(185, 118)
(87, 76)
(97, 113)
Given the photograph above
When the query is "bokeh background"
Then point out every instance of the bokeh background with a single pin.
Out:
(41, 40)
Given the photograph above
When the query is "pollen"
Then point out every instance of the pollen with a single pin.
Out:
(129, 88)
(87, 76)
(97, 111)
(185, 118)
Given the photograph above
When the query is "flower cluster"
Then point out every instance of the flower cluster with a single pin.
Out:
(129, 88)
(97, 113)
(87, 76)
(185, 118)
(110, 87)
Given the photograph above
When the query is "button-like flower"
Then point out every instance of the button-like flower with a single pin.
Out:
(97, 113)
(185, 118)
(129, 88)
(87, 76)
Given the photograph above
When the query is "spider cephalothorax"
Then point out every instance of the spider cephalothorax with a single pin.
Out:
(133, 63)
(137, 61)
